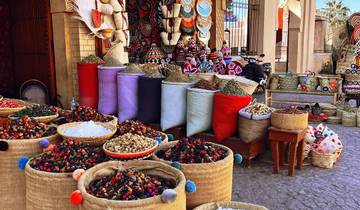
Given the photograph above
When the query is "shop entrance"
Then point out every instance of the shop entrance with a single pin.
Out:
(26, 49)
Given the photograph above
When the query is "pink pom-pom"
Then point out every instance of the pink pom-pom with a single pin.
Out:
(77, 174)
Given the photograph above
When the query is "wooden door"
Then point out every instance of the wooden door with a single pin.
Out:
(7, 87)
(31, 43)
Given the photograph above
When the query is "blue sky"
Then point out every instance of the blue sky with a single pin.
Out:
(354, 5)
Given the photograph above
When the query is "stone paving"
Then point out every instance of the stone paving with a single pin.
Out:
(311, 187)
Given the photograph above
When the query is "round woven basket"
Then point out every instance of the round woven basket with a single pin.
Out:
(333, 120)
(12, 179)
(94, 140)
(213, 180)
(114, 121)
(322, 160)
(91, 202)
(46, 190)
(5, 112)
(251, 130)
(42, 119)
(232, 204)
(288, 82)
(289, 121)
(349, 119)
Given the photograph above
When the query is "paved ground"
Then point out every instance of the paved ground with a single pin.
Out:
(311, 188)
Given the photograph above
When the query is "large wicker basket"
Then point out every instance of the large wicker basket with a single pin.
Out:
(5, 112)
(232, 204)
(12, 179)
(251, 130)
(91, 202)
(289, 121)
(349, 119)
(213, 180)
(322, 160)
(46, 190)
(95, 140)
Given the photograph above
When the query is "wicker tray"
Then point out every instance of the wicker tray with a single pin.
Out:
(93, 140)
(232, 204)
(5, 112)
(130, 155)
(42, 119)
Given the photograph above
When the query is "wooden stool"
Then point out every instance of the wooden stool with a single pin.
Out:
(278, 137)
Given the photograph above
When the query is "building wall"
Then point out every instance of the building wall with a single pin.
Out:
(71, 44)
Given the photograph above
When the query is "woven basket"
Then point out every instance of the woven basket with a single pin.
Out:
(114, 121)
(333, 120)
(349, 119)
(358, 119)
(46, 191)
(42, 119)
(232, 204)
(274, 83)
(98, 140)
(5, 112)
(91, 202)
(288, 82)
(289, 121)
(322, 160)
(330, 112)
(213, 180)
(339, 112)
(247, 85)
(12, 179)
(309, 81)
(251, 130)
(352, 77)
(325, 80)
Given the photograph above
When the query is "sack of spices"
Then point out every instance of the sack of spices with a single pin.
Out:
(149, 99)
(226, 107)
(50, 175)
(29, 139)
(127, 95)
(208, 165)
(107, 89)
(254, 121)
(173, 104)
(131, 185)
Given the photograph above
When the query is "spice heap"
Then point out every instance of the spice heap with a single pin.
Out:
(87, 129)
(193, 151)
(178, 76)
(130, 143)
(9, 103)
(233, 88)
(136, 127)
(167, 68)
(34, 111)
(91, 59)
(132, 69)
(68, 156)
(291, 110)
(25, 128)
(258, 109)
(81, 113)
(129, 185)
(151, 70)
(204, 84)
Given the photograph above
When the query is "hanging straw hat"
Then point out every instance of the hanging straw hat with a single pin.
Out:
(172, 25)
(204, 7)
(170, 38)
(171, 10)
(204, 38)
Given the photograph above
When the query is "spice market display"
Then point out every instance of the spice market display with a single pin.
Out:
(162, 110)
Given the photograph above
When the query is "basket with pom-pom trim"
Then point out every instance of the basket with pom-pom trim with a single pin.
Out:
(12, 179)
(213, 180)
(171, 200)
(43, 188)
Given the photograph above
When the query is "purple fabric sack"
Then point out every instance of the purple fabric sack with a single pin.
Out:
(127, 96)
(107, 88)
